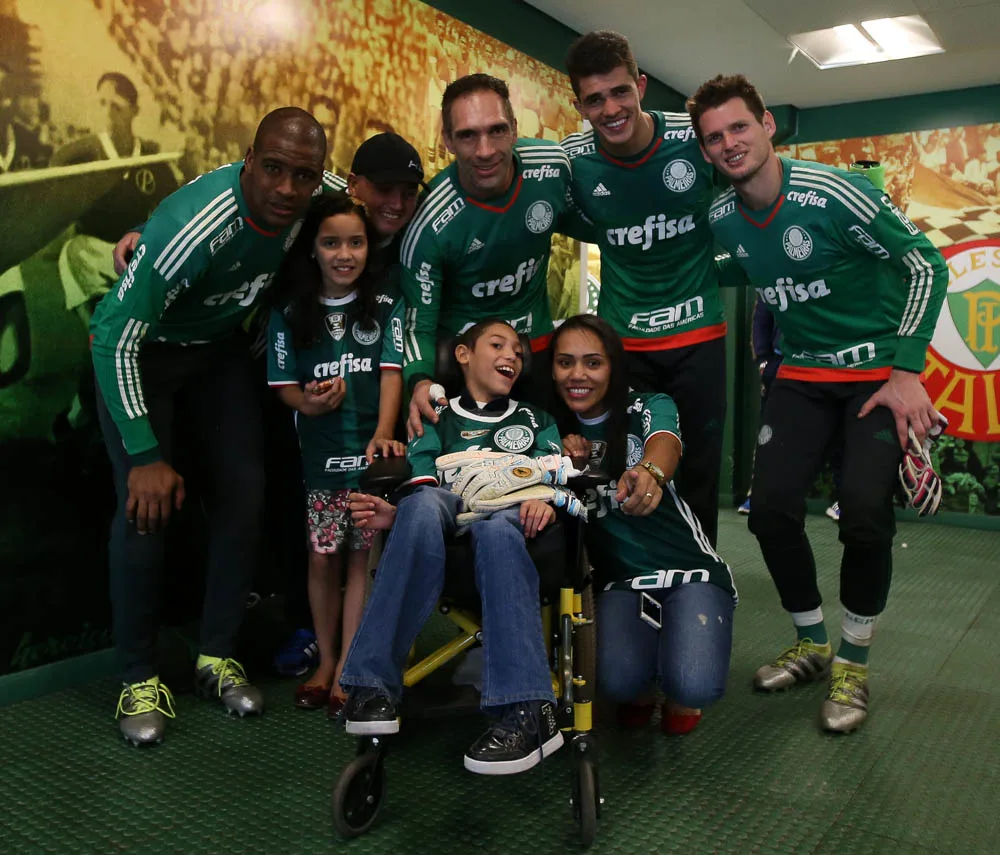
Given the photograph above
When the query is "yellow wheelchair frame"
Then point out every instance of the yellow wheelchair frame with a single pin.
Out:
(571, 646)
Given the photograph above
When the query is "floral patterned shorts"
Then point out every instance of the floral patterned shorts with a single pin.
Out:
(330, 526)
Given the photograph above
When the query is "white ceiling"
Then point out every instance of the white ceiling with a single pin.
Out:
(684, 42)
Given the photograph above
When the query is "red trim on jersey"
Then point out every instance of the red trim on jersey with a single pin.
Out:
(493, 208)
(833, 375)
(771, 216)
(282, 382)
(390, 366)
(677, 340)
(257, 228)
(540, 343)
(635, 163)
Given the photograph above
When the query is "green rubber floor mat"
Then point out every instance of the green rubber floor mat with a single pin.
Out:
(757, 775)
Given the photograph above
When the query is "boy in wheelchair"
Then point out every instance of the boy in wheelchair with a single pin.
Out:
(517, 688)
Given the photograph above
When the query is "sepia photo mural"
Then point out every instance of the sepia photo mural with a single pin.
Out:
(106, 106)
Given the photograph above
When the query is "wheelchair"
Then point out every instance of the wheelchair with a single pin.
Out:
(567, 602)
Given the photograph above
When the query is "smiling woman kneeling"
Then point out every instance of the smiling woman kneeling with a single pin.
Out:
(666, 598)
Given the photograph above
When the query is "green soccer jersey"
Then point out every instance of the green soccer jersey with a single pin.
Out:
(199, 269)
(854, 286)
(502, 425)
(333, 444)
(464, 260)
(661, 550)
(649, 213)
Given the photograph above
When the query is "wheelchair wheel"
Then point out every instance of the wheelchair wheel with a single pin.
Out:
(585, 802)
(358, 795)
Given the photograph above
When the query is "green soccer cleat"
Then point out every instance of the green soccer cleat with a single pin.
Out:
(225, 680)
(143, 710)
(846, 706)
(800, 663)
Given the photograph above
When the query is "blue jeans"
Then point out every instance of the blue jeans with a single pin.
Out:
(689, 655)
(408, 584)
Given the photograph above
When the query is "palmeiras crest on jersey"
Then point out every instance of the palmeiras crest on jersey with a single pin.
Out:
(539, 217)
(797, 243)
(679, 175)
(514, 438)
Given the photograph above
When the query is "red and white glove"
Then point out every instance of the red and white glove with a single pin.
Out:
(921, 484)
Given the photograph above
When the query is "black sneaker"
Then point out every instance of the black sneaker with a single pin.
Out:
(370, 713)
(525, 734)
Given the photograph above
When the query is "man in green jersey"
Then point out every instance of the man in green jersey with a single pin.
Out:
(643, 191)
(168, 334)
(856, 289)
(479, 244)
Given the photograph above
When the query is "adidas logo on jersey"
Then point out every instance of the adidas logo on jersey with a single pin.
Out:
(656, 227)
(811, 198)
(741, 252)
(601, 190)
(476, 245)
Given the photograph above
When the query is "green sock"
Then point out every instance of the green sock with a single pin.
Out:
(852, 653)
(815, 632)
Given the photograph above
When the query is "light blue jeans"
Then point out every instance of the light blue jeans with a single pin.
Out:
(688, 657)
(407, 586)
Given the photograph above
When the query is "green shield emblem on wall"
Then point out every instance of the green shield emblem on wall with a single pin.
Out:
(976, 313)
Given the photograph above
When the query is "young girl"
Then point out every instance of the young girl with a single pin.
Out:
(665, 598)
(334, 355)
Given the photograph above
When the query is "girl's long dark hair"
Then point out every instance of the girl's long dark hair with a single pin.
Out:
(617, 398)
(298, 283)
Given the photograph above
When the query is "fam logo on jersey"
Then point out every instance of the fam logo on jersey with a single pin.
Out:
(292, 234)
(962, 374)
(226, 235)
(797, 243)
(447, 215)
(336, 325)
(633, 453)
(539, 217)
(721, 211)
(679, 175)
(514, 438)
(366, 336)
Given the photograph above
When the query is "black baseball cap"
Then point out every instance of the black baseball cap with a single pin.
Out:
(388, 159)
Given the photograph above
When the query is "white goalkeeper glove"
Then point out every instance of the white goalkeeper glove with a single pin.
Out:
(555, 496)
(492, 478)
(921, 484)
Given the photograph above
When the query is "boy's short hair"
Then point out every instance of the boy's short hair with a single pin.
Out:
(478, 329)
(123, 86)
(599, 52)
(717, 91)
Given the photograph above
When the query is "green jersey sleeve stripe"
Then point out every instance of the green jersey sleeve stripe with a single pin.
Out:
(333, 181)
(192, 241)
(440, 198)
(832, 192)
(411, 345)
(921, 282)
(191, 225)
(836, 182)
(127, 368)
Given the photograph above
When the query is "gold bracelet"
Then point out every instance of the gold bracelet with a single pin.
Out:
(655, 471)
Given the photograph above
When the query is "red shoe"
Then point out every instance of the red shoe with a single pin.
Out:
(677, 724)
(311, 697)
(334, 706)
(634, 715)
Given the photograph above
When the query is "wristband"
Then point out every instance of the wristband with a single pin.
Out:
(655, 471)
